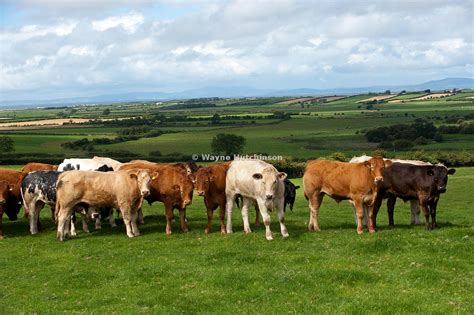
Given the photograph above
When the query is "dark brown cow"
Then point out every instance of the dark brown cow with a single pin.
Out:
(423, 183)
(4, 195)
(173, 186)
(210, 183)
(31, 167)
(357, 182)
(13, 203)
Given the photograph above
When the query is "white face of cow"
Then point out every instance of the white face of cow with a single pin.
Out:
(143, 180)
(268, 181)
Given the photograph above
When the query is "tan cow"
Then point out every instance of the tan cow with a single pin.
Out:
(210, 184)
(357, 182)
(123, 190)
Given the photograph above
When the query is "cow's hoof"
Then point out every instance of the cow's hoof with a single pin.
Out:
(130, 235)
(248, 231)
(136, 234)
(1, 237)
(223, 232)
(285, 235)
(113, 225)
(97, 228)
(168, 232)
(229, 231)
(360, 232)
(73, 234)
(269, 238)
(207, 230)
(371, 231)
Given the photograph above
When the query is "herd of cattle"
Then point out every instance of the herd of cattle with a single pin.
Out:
(95, 187)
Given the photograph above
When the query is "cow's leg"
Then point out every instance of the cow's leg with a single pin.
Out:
(182, 219)
(426, 212)
(134, 222)
(360, 215)
(315, 201)
(433, 207)
(222, 216)
(112, 219)
(375, 210)
(229, 206)
(392, 199)
(266, 219)
(257, 216)
(33, 216)
(127, 220)
(415, 212)
(140, 216)
(63, 214)
(169, 217)
(210, 212)
(353, 210)
(85, 226)
(72, 224)
(245, 214)
(280, 205)
(370, 216)
(53, 217)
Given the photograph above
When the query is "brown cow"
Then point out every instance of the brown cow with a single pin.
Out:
(31, 167)
(4, 195)
(357, 182)
(210, 183)
(123, 190)
(173, 186)
(14, 179)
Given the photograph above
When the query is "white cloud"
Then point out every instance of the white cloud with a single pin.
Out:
(30, 31)
(129, 22)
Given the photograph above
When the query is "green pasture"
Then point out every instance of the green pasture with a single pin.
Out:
(399, 270)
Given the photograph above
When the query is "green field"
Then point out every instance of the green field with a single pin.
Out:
(404, 269)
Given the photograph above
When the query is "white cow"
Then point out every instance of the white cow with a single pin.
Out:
(259, 182)
(414, 204)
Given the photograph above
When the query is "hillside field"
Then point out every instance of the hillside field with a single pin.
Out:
(404, 269)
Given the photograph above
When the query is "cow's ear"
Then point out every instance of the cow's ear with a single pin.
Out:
(282, 175)
(10, 188)
(366, 163)
(430, 172)
(212, 178)
(175, 187)
(387, 163)
(133, 176)
(451, 171)
(257, 176)
(296, 187)
(154, 175)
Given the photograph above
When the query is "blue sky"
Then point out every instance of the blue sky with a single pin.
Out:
(55, 49)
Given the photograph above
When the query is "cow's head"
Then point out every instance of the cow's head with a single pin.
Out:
(376, 166)
(290, 193)
(440, 173)
(269, 179)
(204, 177)
(143, 179)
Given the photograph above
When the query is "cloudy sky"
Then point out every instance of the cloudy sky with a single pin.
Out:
(56, 49)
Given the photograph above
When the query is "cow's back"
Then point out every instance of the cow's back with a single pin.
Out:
(42, 183)
(31, 167)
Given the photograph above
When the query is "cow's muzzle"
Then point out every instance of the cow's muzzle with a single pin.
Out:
(3, 201)
(442, 189)
(378, 179)
(200, 192)
(186, 202)
(269, 197)
(145, 193)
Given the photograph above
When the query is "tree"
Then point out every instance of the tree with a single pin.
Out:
(216, 119)
(228, 143)
(7, 144)
(106, 112)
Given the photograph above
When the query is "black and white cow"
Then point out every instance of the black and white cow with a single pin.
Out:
(39, 189)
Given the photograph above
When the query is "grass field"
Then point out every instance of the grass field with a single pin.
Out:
(404, 269)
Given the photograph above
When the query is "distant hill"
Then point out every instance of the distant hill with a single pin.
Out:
(240, 91)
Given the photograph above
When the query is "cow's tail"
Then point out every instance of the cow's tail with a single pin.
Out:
(237, 200)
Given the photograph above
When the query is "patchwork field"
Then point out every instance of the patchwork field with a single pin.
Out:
(404, 269)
